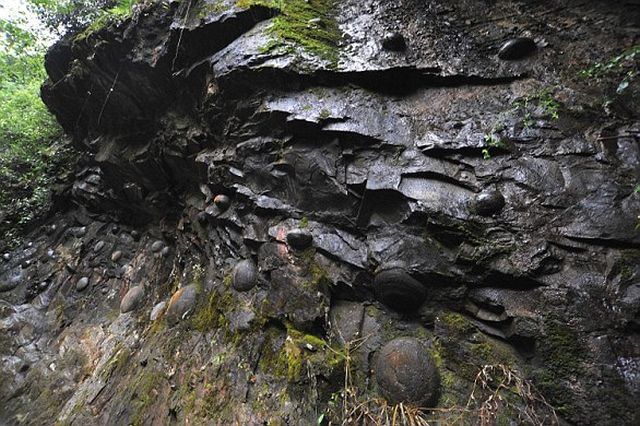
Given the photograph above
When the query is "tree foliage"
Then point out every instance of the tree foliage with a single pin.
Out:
(62, 16)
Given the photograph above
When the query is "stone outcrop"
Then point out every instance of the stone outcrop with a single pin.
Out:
(481, 209)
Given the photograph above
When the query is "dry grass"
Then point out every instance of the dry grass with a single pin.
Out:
(498, 391)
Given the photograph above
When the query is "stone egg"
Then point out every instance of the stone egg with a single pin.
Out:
(299, 239)
(406, 372)
(488, 202)
(394, 41)
(157, 246)
(222, 201)
(398, 290)
(517, 48)
(116, 255)
(157, 311)
(181, 303)
(132, 299)
(82, 283)
(245, 275)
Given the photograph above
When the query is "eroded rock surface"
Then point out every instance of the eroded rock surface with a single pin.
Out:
(389, 160)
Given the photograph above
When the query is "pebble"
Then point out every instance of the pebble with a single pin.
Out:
(132, 299)
(399, 290)
(99, 246)
(299, 239)
(116, 255)
(222, 201)
(6, 256)
(135, 235)
(488, 202)
(517, 48)
(406, 373)
(394, 41)
(165, 252)
(245, 275)
(82, 283)
(157, 311)
(157, 246)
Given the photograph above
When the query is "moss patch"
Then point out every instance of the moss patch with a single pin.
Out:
(309, 24)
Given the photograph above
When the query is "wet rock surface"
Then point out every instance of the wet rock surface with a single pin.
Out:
(482, 205)
(517, 48)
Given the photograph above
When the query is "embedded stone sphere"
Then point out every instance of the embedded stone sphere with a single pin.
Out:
(245, 275)
(181, 303)
(488, 202)
(398, 290)
(517, 48)
(222, 201)
(394, 41)
(406, 372)
(299, 239)
(132, 299)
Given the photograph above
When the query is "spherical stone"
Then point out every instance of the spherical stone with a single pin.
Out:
(245, 275)
(222, 201)
(157, 311)
(406, 372)
(82, 283)
(299, 239)
(116, 255)
(165, 252)
(132, 299)
(394, 41)
(488, 202)
(181, 303)
(517, 48)
(157, 246)
(398, 290)
(6, 256)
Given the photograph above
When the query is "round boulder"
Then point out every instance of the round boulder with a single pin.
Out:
(394, 41)
(245, 275)
(132, 299)
(116, 255)
(398, 290)
(406, 372)
(222, 201)
(488, 202)
(157, 246)
(299, 239)
(517, 48)
(181, 303)
(157, 311)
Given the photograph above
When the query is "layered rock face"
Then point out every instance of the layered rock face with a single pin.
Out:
(273, 194)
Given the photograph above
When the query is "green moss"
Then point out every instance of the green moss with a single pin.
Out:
(304, 222)
(324, 114)
(455, 322)
(309, 24)
(211, 314)
(145, 395)
(228, 280)
(117, 361)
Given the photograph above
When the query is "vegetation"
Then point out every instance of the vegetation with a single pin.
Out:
(542, 100)
(309, 24)
(62, 16)
(31, 154)
(625, 65)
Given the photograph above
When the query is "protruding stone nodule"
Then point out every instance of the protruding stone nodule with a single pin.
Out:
(406, 372)
(517, 48)
(488, 202)
(222, 201)
(245, 275)
(132, 299)
(82, 283)
(157, 246)
(398, 290)
(299, 239)
(181, 303)
(394, 41)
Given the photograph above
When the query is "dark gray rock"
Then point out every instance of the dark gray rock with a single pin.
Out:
(517, 48)
(181, 303)
(299, 239)
(82, 283)
(132, 299)
(488, 202)
(406, 372)
(245, 275)
(398, 290)
(394, 41)
(99, 246)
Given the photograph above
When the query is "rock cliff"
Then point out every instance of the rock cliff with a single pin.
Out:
(288, 212)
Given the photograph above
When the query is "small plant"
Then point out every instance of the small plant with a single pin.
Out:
(625, 63)
(491, 141)
(542, 99)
